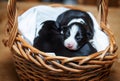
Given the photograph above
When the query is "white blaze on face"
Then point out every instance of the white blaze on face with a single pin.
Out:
(70, 42)
(79, 20)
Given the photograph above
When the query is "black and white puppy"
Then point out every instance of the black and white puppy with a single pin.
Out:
(76, 27)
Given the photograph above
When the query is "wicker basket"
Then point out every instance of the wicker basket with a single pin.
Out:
(31, 67)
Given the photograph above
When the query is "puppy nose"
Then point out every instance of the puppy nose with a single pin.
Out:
(69, 45)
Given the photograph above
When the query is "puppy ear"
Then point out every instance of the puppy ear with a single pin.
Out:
(47, 26)
(90, 31)
(90, 35)
(50, 25)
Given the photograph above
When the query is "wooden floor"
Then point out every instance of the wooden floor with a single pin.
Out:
(7, 70)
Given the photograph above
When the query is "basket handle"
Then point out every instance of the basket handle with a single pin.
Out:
(103, 10)
(12, 23)
(12, 19)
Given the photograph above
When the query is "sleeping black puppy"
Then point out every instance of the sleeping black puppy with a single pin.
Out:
(50, 39)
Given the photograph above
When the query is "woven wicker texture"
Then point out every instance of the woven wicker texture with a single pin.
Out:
(35, 65)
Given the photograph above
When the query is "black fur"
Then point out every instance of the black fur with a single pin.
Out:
(48, 36)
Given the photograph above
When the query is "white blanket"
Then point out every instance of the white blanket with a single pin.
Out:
(100, 40)
(29, 24)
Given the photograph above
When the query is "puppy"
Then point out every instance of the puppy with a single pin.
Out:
(76, 41)
(77, 28)
(48, 37)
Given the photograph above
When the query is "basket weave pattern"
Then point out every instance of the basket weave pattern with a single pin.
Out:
(35, 65)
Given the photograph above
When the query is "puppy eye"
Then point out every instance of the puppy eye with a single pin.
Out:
(67, 34)
(78, 37)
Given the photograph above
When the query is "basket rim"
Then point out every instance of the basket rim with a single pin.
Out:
(105, 28)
